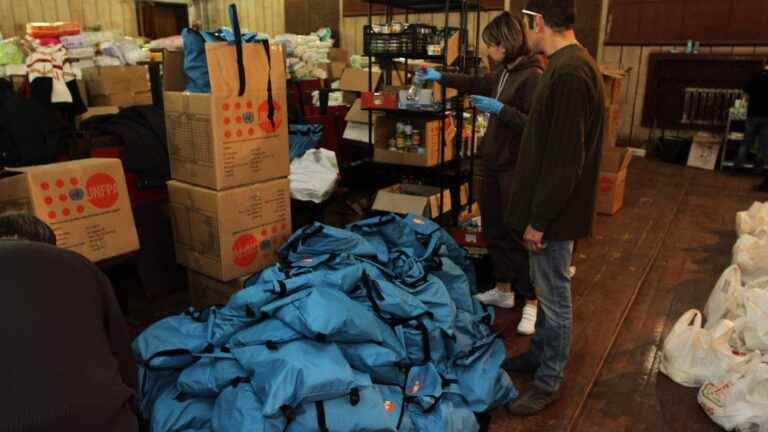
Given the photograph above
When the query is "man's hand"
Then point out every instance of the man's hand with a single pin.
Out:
(533, 240)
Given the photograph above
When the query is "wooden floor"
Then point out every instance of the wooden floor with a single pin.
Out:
(660, 256)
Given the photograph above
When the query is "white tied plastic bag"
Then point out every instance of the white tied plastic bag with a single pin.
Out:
(750, 253)
(314, 176)
(739, 401)
(692, 355)
(723, 301)
(748, 222)
(755, 328)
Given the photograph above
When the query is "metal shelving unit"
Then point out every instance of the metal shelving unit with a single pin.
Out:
(454, 173)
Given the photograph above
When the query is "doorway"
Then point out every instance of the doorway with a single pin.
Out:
(158, 19)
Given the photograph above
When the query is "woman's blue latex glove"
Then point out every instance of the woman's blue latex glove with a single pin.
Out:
(486, 104)
(428, 74)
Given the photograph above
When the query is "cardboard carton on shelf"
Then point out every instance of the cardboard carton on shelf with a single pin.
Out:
(612, 180)
(339, 59)
(121, 99)
(612, 126)
(705, 151)
(229, 234)
(415, 199)
(221, 140)
(614, 78)
(85, 202)
(356, 80)
(385, 127)
(205, 291)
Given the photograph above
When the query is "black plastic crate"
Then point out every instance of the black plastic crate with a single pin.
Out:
(411, 42)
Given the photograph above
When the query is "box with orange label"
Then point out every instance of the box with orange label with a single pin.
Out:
(231, 233)
(85, 202)
(232, 136)
(612, 180)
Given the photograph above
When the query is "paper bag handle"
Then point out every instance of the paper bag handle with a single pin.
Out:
(238, 47)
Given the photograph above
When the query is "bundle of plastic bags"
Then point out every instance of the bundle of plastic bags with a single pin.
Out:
(752, 220)
(307, 56)
(368, 328)
(314, 176)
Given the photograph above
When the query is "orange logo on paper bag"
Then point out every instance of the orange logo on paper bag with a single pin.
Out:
(102, 190)
(606, 184)
(246, 249)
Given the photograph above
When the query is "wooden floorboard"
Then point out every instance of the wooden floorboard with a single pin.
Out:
(630, 393)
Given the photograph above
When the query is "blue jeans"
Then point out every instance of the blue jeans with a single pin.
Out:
(551, 345)
(757, 127)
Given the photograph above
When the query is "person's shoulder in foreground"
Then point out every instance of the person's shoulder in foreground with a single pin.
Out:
(69, 366)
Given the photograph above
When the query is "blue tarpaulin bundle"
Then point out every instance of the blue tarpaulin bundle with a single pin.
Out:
(368, 328)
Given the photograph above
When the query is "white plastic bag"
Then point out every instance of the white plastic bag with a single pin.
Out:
(692, 355)
(723, 300)
(748, 222)
(314, 176)
(739, 401)
(750, 253)
(755, 329)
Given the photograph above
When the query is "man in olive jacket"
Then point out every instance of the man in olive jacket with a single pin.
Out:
(555, 189)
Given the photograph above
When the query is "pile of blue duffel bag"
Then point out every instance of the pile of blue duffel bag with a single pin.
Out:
(369, 328)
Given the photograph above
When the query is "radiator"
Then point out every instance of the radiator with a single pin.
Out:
(708, 106)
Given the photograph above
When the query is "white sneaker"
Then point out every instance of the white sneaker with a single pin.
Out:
(498, 298)
(572, 271)
(527, 324)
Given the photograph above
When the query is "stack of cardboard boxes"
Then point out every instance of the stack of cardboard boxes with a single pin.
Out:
(230, 198)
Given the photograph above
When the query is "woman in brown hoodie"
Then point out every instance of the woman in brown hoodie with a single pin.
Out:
(505, 94)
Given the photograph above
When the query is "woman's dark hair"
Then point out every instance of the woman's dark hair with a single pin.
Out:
(23, 226)
(507, 31)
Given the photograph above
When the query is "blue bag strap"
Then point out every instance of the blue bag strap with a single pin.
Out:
(238, 47)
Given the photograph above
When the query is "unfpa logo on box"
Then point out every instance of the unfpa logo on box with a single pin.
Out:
(102, 190)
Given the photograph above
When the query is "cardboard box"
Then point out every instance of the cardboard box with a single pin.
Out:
(109, 80)
(220, 140)
(613, 79)
(205, 291)
(613, 121)
(412, 199)
(704, 151)
(612, 180)
(356, 80)
(121, 99)
(357, 115)
(336, 70)
(384, 129)
(338, 55)
(85, 202)
(97, 111)
(233, 233)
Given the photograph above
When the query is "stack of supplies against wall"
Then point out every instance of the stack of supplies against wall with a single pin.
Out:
(230, 197)
(368, 328)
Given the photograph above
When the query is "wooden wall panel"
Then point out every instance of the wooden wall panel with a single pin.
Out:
(263, 16)
(713, 22)
(119, 15)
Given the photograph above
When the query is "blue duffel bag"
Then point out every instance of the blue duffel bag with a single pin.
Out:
(382, 364)
(423, 388)
(210, 375)
(362, 410)
(172, 343)
(174, 412)
(268, 332)
(298, 372)
(238, 409)
(151, 384)
(484, 385)
(388, 231)
(319, 239)
(248, 301)
(471, 332)
(436, 298)
(325, 314)
(342, 272)
(391, 301)
(457, 284)
(303, 137)
(396, 404)
(224, 322)
(450, 414)
(424, 342)
(433, 239)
